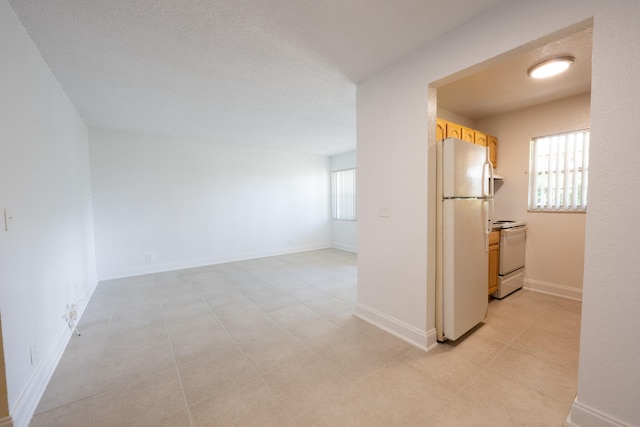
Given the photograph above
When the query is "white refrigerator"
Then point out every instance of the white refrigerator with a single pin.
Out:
(464, 209)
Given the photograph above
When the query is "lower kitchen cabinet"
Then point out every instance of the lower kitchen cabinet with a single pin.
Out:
(494, 259)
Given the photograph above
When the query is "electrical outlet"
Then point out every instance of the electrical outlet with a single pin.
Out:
(71, 316)
(148, 257)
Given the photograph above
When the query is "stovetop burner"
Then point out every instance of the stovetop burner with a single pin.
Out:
(508, 223)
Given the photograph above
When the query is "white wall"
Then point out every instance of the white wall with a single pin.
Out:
(395, 254)
(47, 259)
(609, 344)
(551, 236)
(395, 111)
(456, 118)
(344, 234)
(187, 202)
(392, 174)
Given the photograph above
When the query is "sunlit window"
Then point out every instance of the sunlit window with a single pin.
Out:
(343, 191)
(559, 172)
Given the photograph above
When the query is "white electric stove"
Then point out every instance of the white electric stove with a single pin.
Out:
(513, 235)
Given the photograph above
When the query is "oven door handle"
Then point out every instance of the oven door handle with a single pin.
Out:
(514, 230)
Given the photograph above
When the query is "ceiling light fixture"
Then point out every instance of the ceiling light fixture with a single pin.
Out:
(550, 67)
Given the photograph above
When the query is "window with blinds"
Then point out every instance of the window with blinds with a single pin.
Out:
(343, 190)
(559, 172)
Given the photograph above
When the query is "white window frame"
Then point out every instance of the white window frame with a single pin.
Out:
(559, 172)
(343, 194)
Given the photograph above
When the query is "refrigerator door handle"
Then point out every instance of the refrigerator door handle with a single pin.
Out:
(487, 179)
(487, 208)
(489, 194)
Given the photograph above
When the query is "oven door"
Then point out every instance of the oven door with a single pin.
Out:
(512, 249)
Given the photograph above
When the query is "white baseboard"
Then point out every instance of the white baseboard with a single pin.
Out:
(408, 333)
(31, 395)
(553, 289)
(585, 416)
(432, 339)
(203, 262)
(6, 422)
(345, 247)
(28, 401)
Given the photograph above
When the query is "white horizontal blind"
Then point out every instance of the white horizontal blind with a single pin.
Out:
(343, 189)
(559, 172)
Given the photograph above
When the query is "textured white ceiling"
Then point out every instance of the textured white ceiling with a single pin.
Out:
(506, 86)
(271, 73)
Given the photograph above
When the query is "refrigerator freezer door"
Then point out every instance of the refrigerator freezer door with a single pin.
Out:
(463, 169)
(465, 265)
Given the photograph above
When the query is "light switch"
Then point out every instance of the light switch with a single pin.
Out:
(8, 220)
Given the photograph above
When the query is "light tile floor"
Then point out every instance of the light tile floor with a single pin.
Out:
(273, 342)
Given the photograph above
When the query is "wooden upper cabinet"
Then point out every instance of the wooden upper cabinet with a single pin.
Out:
(468, 135)
(446, 129)
(454, 130)
(492, 143)
(441, 129)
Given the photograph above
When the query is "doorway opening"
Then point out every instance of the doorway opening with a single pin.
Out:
(497, 98)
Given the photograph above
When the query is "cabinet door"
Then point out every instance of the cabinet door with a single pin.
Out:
(494, 259)
(441, 129)
(454, 130)
(492, 143)
(481, 139)
(469, 135)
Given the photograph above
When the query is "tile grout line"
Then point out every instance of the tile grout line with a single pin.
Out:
(173, 353)
(260, 375)
(284, 329)
(104, 354)
(480, 374)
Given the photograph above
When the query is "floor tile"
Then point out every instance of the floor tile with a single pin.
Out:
(304, 383)
(68, 387)
(328, 304)
(452, 366)
(494, 400)
(294, 315)
(215, 373)
(274, 341)
(192, 322)
(393, 395)
(179, 419)
(77, 414)
(249, 405)
(137, 403)
(356, 358)
(196, 343)
(125, 365)
(319, 334)
(561, 351)
(272, 351)
(550, 379)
